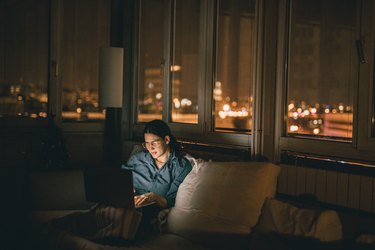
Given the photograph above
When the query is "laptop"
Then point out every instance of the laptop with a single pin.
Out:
(111, 186)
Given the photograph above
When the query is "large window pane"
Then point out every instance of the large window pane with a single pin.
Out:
(235, 68)
(185, 63)
(322, 68)
(151, 60)
(85, 30)
(24, 58)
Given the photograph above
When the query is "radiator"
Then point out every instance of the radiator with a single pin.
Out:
(335, 182)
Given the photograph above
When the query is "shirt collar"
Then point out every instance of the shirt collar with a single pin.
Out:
(172, 155)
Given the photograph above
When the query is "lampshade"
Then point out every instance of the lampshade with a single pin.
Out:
(111, 76)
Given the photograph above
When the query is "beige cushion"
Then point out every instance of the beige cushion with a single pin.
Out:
(287, 219)
(222, 197)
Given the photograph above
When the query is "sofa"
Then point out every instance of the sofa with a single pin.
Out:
(220, 205)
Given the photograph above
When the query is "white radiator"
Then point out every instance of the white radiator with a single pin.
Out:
(334, 186)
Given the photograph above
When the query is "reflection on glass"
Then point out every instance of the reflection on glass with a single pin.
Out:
(322, 68)
(86, 29)
(151, 59)
(185, 62)
(235, 65)
(24, 58)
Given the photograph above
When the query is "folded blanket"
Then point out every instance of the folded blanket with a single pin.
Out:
(98, 223)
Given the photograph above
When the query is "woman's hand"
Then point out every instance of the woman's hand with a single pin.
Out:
(149, 198)
(144, 199)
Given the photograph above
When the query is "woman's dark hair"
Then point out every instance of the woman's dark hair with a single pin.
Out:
(160, 128)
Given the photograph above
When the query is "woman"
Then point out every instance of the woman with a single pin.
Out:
(158, 170)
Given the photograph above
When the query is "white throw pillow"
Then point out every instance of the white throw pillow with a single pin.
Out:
(222, 197)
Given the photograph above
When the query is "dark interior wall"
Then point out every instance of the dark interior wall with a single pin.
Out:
(85, 148)
(41, 149)
(21, 149)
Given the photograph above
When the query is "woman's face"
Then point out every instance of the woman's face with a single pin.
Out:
(156, 145)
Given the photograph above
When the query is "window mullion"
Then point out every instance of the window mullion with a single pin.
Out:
(168, 57)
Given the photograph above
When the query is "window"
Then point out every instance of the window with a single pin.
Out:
(235, 71)
(198, 71)
(185, 62)
(49, 58)
(24, 58)
(322, 73)
(329, 78)
(85, 29)
(151, 59)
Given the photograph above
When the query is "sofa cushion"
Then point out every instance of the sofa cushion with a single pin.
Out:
(222, 198)
(284, 218)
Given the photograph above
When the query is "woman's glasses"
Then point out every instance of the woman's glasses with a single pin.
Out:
(152, 144)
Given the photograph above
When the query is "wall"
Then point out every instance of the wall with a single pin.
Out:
(37, 150)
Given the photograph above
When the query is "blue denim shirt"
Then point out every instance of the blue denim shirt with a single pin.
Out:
(165, 181)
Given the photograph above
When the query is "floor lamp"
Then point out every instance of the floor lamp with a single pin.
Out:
(111, 61)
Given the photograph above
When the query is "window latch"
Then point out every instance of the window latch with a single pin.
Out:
(56, 68)
(360, 51)
(162, 63)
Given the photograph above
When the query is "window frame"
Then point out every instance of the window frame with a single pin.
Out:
(26, 123)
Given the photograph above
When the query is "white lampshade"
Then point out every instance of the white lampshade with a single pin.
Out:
(111, 76)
